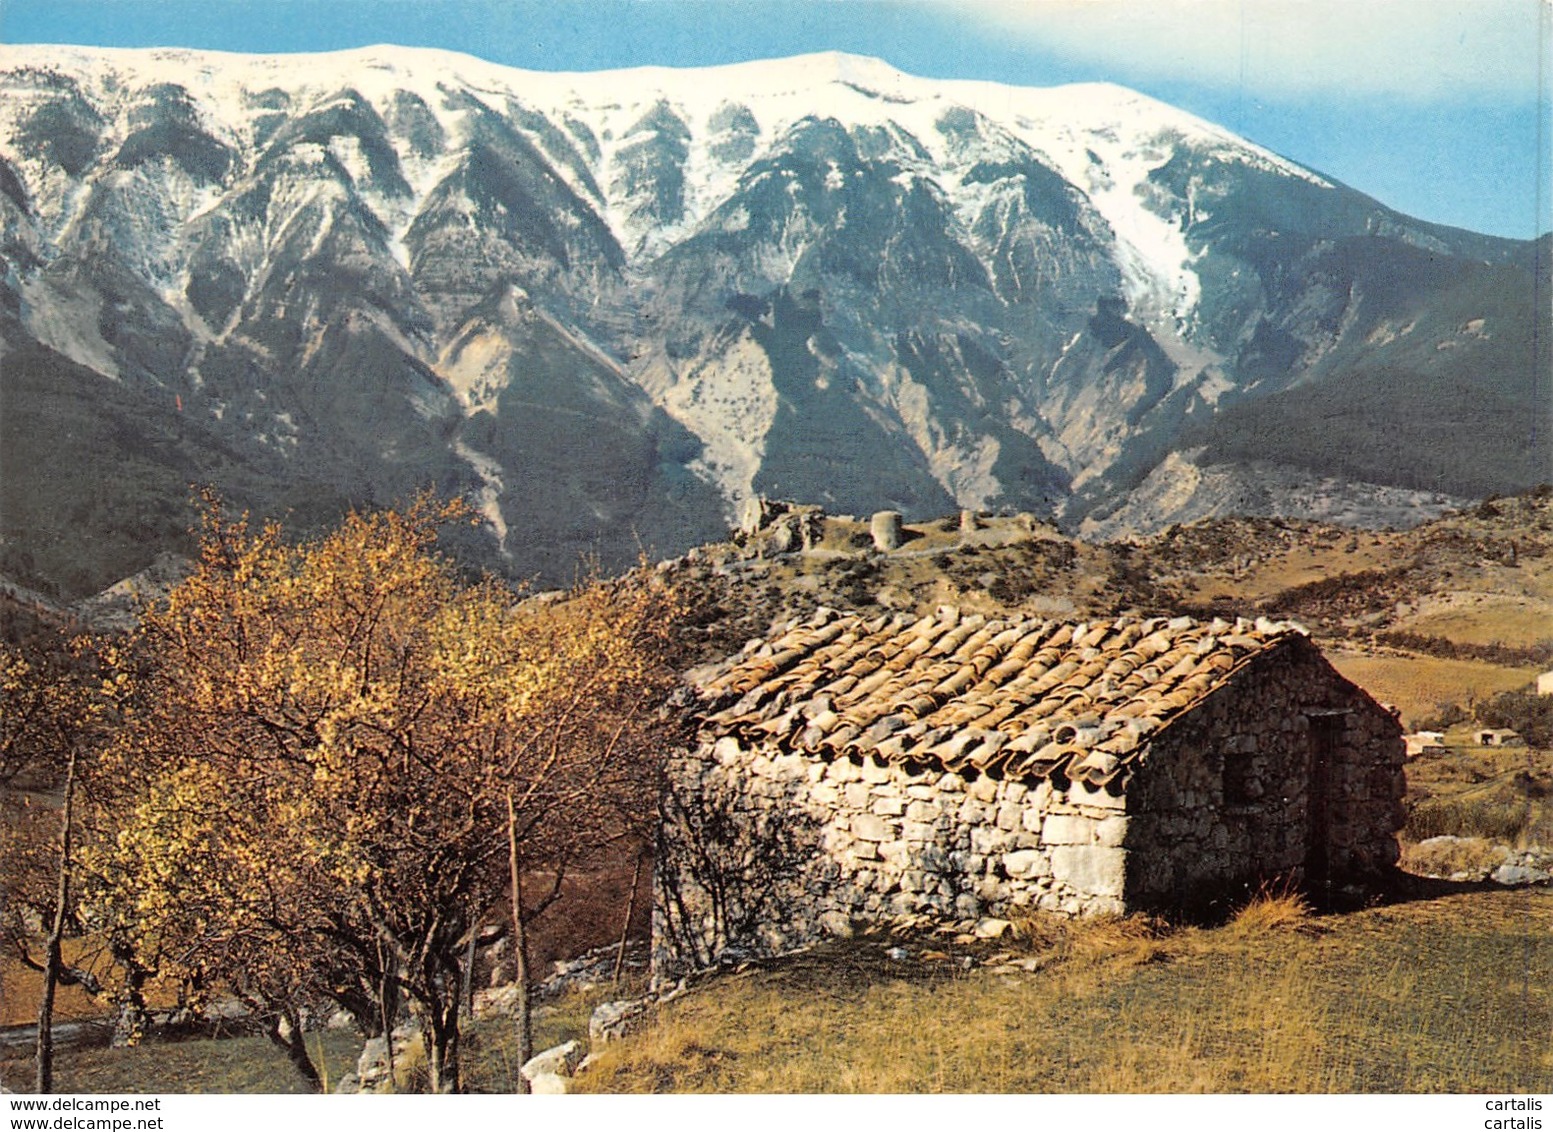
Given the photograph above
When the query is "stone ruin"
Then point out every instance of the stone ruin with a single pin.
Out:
(774, 526)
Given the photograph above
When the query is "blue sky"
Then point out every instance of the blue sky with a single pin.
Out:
(1440, 108)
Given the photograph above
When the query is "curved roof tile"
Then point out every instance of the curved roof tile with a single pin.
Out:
(1019, 697)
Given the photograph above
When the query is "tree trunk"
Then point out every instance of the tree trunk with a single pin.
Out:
(285, 1030)
(53, 958)
(523, 1014)
(442, 1052)
(466, 991)
(130, 1025)
(387, 1007)
(625, 928)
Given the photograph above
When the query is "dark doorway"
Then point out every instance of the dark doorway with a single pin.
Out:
(1326, 729)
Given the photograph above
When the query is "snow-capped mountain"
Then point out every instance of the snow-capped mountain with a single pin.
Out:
(610, 306)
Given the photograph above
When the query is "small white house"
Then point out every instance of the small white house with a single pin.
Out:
(1497, 737)
(1545, 684)
(1420, 741)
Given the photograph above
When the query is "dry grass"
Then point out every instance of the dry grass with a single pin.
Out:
(1472, 856)
(231, 1065)
(1447, 994)
(491, 1052)
(1420, 684)
(1516, 621)
(1453, 993)
(253, 1065)
(1275, 908)
(1298, 566)
(1501, 795)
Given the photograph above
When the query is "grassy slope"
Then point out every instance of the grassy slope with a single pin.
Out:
(254, 1065)
(1420, 684)
(1444, 994)
(1449, 991)
(231, 1065)
(1500, 796)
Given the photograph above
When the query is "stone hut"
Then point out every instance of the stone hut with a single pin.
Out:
(852, 769)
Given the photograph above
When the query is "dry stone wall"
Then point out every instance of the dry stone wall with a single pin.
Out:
(768, 851)
(1228, 791)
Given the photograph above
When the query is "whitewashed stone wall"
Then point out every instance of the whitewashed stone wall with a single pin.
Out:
(762, 850)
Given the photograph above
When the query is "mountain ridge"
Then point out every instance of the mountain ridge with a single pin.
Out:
(612, 306)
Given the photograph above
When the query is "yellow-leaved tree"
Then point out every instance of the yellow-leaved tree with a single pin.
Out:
(344, 755)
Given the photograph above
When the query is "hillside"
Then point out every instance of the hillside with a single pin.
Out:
(1455, 609)
(1467, 597)
(1423, 995)
(1412, 997)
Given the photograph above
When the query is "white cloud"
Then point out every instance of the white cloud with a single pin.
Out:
(1421, 49)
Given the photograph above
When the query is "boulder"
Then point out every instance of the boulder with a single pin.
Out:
(548, 1085)
(548, 1072)
(1519, 874)
(613, 1020)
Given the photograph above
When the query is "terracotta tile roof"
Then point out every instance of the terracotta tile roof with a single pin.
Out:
(1021, 698)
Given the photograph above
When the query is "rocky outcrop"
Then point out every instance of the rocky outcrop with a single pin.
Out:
(776, 526)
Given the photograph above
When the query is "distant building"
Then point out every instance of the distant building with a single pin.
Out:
(1545, 684)
(1497, 737)
(1420, 741)
(852, 769)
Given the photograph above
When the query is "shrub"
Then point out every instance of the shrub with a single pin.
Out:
(1446, 716)
(1448, 856)
(1273, 907)
(1527, 713)
(1499, 815)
